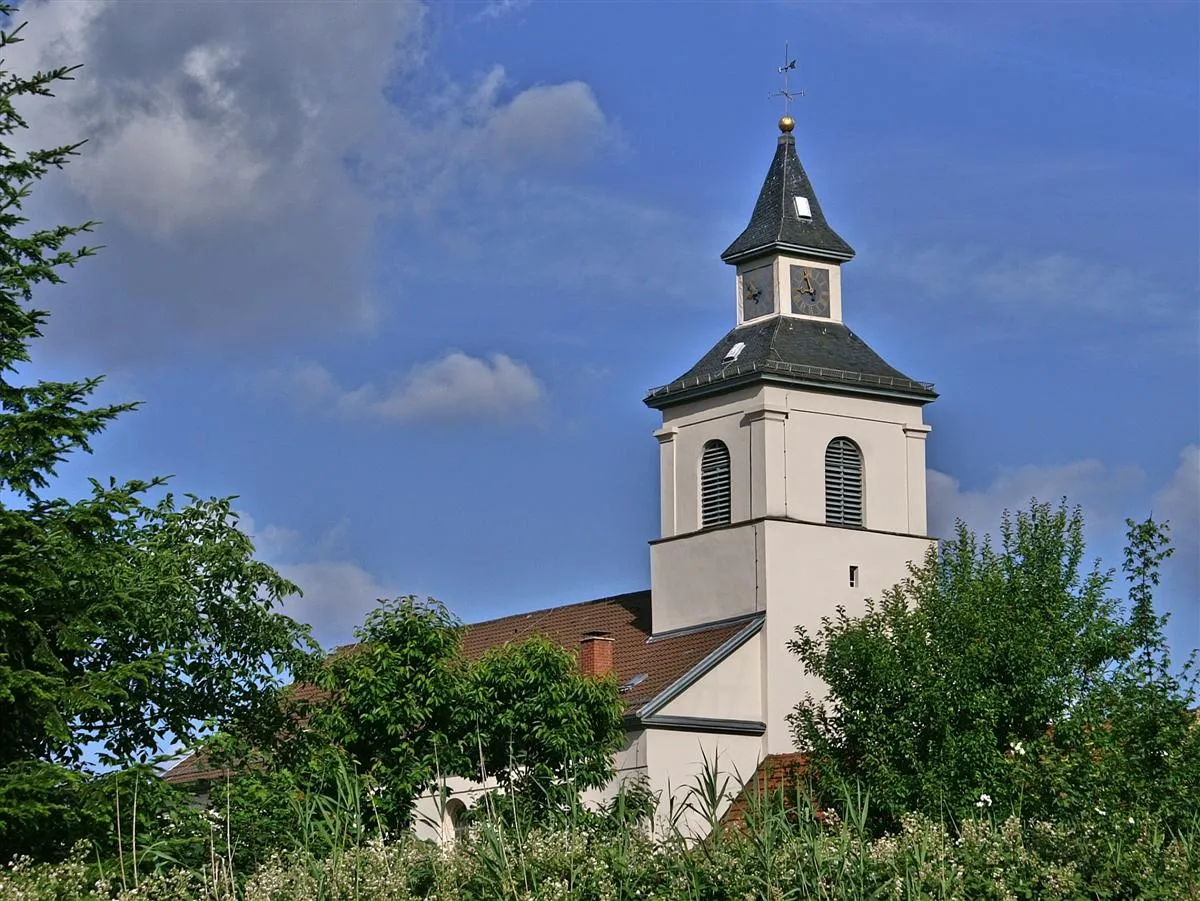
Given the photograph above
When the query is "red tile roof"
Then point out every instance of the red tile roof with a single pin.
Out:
(654, 662)
(775, 773)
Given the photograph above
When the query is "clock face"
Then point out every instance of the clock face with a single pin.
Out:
(758, 293)
(810, 291)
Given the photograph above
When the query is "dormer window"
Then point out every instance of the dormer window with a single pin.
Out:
(715, 505)
(843, 483)
(803, 209)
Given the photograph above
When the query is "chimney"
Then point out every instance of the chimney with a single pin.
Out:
(596, 654)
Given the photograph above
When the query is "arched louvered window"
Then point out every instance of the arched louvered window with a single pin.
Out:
(843, 483)
(714, 485)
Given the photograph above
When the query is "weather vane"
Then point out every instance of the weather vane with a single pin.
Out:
(788, 95)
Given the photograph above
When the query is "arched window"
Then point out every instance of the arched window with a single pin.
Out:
(843, 483)
(456, 821)
(714, 485)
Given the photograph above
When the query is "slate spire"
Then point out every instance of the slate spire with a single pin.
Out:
(778, 223)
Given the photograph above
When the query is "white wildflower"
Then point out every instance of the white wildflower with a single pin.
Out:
(985, 800)
(1099, 811)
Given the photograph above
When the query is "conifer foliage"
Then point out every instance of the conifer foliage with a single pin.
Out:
(127, 621)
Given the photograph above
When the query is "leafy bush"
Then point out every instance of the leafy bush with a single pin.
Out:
(1007, 678)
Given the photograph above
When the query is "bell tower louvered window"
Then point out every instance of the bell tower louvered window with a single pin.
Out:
(843, 483)
(714, 485)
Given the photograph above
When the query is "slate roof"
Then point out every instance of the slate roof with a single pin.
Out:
(776, 226)
(808, 352)
(662, 660)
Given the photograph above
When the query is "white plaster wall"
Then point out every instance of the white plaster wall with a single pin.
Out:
(777, 439)
(676, 760)
(894, 475)
(706, 576)
(428, 822)
(807, 577)
(692, 426)
(629, 763)
(733, 690)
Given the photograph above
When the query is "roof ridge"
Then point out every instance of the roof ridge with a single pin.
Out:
(606, 600)
(783, 185)
(726, 623)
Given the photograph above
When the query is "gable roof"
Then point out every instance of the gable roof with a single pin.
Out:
(805, 352)
(626, 618)
(645, 665)
(775, 224)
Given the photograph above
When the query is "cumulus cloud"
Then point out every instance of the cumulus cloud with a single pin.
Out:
(1061, 286)
(1104, 492)
(455, 386)
(1108, 495)
(241, 155)
(1178, 502)
(597, 248)
(496, 9)
(337, 595)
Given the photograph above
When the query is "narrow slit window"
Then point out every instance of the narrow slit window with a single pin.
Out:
(854, 577)
(715, 506)
(843, 483)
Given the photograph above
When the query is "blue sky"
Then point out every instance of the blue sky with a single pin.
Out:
(398, 275)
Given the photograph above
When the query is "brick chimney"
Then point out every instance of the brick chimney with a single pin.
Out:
(596, 654)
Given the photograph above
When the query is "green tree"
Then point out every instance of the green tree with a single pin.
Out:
(538, 722)
(127, 622)
(1130, 750)
(390, 703)
(946, 692)
(404, 709)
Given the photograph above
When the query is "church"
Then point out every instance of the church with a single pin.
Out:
(792, 482)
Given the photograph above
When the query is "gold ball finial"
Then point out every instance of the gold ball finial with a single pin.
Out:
(786, 124)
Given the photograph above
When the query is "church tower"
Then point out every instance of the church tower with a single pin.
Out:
(792, 457)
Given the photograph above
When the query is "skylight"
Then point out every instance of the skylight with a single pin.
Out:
(734, 352)
(633, 683)
(803, 210)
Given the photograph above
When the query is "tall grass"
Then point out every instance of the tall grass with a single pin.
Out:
(777, 847)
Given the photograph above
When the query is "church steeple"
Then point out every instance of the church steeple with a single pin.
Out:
(787, 217)
(791, 465)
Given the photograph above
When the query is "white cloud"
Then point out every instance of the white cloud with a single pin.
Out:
(240, 156)
(1108, 495)
(338, 594)
(1104, 492)
(471, 141)
(454, 386)
(1178, 502)
(496, 9)
(554, 123)
(596, 247)
(1059, 285)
